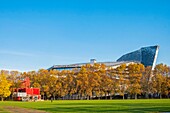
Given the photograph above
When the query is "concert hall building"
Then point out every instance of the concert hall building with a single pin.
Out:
(145, 55)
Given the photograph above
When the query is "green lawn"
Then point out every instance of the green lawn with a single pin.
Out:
(84, 106)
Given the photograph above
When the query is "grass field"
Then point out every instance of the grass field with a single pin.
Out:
(83, 106)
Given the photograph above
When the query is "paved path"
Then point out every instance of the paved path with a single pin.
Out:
(13, 109)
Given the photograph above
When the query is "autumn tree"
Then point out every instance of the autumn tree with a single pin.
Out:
(14, 78)
(98, 84)
(71, 83)
(32, 75)
(88, 80)
(96, 71)
(43, 79)
(105, 82)
(160, 80)
(64, 85)
(4, 86)
(123, 79)
(82, 82)
(146, 84)
(114, 84)
(135, 73)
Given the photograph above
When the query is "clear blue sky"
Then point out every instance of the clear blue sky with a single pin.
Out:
(37, 34)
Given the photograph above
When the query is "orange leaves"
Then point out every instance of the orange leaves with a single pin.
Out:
(97, 80)
(135, 75)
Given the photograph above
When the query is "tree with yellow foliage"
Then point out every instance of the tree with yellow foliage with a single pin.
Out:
(4, 86)
(160, 80)
(114, 84)
(135, 72)
(82, 82)
(123, 79)
(146, 83)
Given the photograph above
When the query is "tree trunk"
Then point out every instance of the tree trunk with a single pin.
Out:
(43, 97)
(69, 97)
(110, 97)
(160, 96)
(136, 96)
(105, 96)
(54, 97)
(147, 94)
(79, 97)
(98, 97)
(12, 93)
(2, 99)
(87, 97)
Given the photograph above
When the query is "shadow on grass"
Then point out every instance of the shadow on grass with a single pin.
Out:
(101, 107)
(2, 110)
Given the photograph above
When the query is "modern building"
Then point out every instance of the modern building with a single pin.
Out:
(146, 55)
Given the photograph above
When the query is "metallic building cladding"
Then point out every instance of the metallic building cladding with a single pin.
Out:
(146, 55)
(133, 56)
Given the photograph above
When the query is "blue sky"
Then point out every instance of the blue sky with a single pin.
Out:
(37, 34)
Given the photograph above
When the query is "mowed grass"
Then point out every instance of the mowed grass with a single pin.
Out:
(84, 106)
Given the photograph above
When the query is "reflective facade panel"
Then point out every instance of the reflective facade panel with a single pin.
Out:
(146, 55)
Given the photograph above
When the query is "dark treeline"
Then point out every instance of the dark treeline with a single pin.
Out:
(98, 82)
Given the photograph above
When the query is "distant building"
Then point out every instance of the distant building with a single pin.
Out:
(146, 55)
(26, 93)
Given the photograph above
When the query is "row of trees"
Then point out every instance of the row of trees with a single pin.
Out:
(95, 81)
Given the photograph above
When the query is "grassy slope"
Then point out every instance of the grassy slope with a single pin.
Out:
(128, 106)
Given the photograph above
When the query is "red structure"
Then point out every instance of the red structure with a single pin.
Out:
(26, 93)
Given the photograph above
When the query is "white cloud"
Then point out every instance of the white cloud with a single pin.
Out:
(16, 53)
